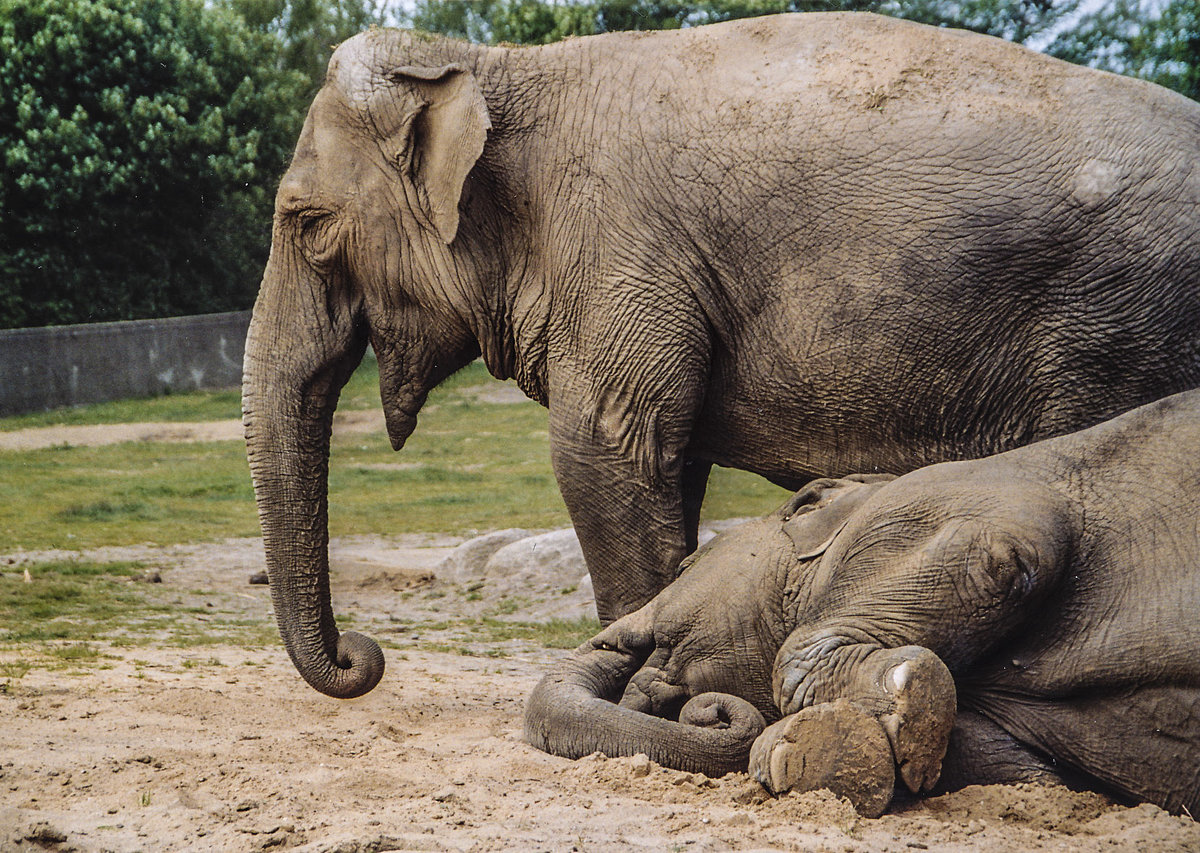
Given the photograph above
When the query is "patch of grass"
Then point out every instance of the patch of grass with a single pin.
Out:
(474, 636)
(193, 406)
(71, 605)
(13, 671)
(508, 606)
(108, 512)
(554, 634)
(78, 603)
(86, 568)
(77, 497)
(361, 392)
(737, 494)
(76, 652)
(193, 663)
(469, 466)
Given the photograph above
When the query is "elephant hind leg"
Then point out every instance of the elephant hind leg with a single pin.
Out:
(982, 753)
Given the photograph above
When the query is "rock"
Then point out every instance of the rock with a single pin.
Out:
(552, 559)
(640, 766)
(466, 562)
(43, 833)
(259, 578)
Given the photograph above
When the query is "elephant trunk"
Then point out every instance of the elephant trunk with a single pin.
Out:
(295, 366)
(572, 713)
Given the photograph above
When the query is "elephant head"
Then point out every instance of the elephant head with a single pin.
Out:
(360, 253)
(687, 678)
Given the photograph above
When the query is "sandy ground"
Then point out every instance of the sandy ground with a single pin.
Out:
(222, 747)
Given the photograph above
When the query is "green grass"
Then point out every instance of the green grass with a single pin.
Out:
(554, 634)
(68, 606)
(483, 636)
(195, 406)
(361, 392)
(469, 466)
(67, 600)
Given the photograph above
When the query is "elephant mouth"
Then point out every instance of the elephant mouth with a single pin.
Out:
(400, 425)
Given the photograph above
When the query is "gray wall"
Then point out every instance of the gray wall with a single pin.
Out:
(71, 365)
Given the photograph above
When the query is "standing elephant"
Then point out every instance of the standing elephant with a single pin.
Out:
(1029, 616)
(799, 245)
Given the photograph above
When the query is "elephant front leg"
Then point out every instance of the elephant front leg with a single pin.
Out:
(620, 465)
(841, 698)
(835, 745)
(632, 529)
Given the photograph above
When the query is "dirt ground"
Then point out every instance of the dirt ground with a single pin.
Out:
(223, 747)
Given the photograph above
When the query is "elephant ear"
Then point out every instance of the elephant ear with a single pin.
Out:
(436, 140)
(817, 513)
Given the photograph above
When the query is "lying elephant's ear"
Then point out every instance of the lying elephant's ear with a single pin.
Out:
(817, 513)
(436, 145)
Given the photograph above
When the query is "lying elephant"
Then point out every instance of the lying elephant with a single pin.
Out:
(1030, 616)
(801, 245)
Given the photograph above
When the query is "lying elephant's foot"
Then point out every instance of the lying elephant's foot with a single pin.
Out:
(917, 707)
(835, 745)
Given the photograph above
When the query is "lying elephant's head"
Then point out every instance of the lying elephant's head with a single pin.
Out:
(876, 566)
(687, 678)
(360, 253)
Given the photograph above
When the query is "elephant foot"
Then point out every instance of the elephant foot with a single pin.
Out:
(835, 745)
(919, 712)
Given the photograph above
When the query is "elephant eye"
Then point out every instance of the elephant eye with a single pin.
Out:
(316, 232)
(606, 647)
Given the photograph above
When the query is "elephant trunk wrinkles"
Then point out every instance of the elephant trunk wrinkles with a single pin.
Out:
(572, 713)
(290, 392)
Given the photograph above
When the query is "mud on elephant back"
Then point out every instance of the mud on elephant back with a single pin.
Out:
(801, 245)
(1025, 617)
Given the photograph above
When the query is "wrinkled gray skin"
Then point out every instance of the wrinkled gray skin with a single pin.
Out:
(1057, 583)
(802, 246)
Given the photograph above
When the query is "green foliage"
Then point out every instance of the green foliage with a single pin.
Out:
(539, 22)
(1157, 42)
(1015, 20)
(309, 30)
(141, 141)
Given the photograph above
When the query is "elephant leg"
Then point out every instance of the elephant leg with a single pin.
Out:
(619, 458)
(631, 532)
(836, 745)
(982, 753)
(908, 690)
(695, 484)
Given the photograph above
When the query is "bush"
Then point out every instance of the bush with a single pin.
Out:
(142, 140)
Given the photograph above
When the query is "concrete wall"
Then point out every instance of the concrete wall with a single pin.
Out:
(72, 365)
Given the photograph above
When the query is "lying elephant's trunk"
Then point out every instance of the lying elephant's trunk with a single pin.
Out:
(572, 713)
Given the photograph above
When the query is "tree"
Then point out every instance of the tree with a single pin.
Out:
(1157, 42)
(540, 22)
(309, 30)
(142, 140)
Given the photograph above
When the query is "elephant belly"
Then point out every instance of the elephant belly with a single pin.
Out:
(1140, 742)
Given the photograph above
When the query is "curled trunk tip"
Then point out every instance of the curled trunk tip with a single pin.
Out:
(571, 713)
(359, 667)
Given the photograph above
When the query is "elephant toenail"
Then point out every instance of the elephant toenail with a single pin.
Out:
(897, 677)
